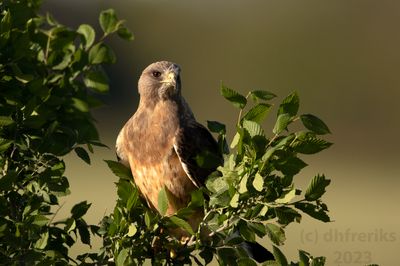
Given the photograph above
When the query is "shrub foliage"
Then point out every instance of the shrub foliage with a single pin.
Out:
(253, 193)
(48, 76)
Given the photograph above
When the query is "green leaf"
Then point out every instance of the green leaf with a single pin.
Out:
(162, 201)
(304, 258)
(217, 184)
(243, 184)
(182, 224)
(281, 123)
(314, 124)
(216, 127)
(101, 53)
(97, 81)
(234, 200)
(258, 182)
(122, 257)
(235, 140)
(4, 144)
(125, 33)
(132, 230)
(314, 211)
(80, 209)
(307, 143)
(42, 242)
(80, 105)
(40, 220)
(5, 24)
(287, 215)
(5, 121)
(119, 170)
(290, 165)
(257, 113)
(83, 232)
(108, 21)
(275, 233)
(227, 255)
(147, 219)
(246, 232)
(70, 225)
(262, 95)
(82, 153)
(289, 105)
(234, 97)
(258, 228)
(286, 198)
(316, 188)
(253, 128)
(88, 33)
(279, 257)
(264, 210)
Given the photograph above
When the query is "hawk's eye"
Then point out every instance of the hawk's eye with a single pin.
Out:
(156, 74)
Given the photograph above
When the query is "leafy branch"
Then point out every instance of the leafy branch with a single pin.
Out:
(49, 77)
(251, 195)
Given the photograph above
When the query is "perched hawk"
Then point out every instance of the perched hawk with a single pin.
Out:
(162, 139)
(160, 143)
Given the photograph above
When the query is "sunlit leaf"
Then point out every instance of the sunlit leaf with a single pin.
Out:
(234, 200)
(281, 123)
(131, 230)
(287, 197)
(257, 113)
(258, 182)
(88, 33)
(43, 240)
(162, 201)
(122, 257)
(253, 128)
(108, 21)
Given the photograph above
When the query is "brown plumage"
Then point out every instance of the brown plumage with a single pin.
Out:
(162, 139)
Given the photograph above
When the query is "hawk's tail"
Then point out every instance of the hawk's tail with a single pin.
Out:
(256, 251)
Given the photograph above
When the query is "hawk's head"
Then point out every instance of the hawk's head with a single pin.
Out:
(160, 80)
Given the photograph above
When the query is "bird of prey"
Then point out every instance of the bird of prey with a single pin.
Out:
(161, 140)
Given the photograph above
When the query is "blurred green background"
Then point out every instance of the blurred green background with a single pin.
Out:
(342, 57)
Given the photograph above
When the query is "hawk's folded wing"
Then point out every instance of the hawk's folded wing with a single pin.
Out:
(198, 152)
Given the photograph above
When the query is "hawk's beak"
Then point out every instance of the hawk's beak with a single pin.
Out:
(170, 78)
(170, 82)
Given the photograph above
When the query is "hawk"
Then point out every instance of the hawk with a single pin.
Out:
(161, 140)
(160, 143)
